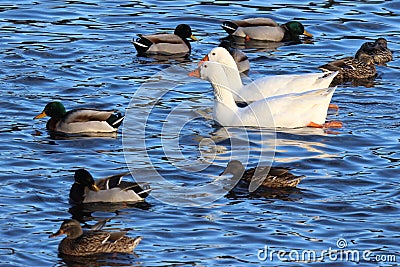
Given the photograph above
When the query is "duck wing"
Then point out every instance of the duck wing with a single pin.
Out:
(273, 177)
(275, 85)
(99, 225)
(164, 38)
(256, 22)
(86, 115)
(343, 63)
(111, 181)
(115, 181)
(115, 236)
(277, 171)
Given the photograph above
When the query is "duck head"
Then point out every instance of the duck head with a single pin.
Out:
(220, 55)
(71, 228)
(295, 28)
(53, 109)
(184, 31)
(83, 177)
(380, 43)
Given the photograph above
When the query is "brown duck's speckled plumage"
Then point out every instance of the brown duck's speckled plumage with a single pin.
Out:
(272, 177)
(276, 177)
(378, 50)
(351, 68)
(79, 243)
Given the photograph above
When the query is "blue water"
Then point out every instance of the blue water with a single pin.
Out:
(80, 52)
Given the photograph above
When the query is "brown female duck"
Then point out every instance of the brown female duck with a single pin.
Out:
(351, 68)
(80, 243)
(378, 50)
(265, 176)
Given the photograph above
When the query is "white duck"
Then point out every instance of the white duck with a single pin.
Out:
(286, 111)
(270, 85)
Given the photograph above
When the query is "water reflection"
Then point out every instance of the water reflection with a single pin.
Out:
(241, 191)
(101, 260)
(84, 212)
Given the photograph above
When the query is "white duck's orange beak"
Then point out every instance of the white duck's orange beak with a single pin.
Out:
(204, 59)
(195, 73)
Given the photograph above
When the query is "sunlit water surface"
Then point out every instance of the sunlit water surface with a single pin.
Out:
(80, 52)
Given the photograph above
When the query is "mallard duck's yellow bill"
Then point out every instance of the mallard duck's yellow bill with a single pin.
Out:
(193, 38)
(306, 33)
(204, 59)
(41, 115)
(195, 73)
(59, 232)
(95, 188)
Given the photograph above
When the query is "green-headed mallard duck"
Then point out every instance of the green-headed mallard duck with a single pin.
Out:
(265, 176)
(80, 120)
(241, 59)
(265, 29)
(166, 44)
(378, 50)
(80, 243)
(110, 189)
(351, 68)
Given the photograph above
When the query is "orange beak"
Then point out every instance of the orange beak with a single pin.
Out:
(306, 33)
(195, 73)
(59, 232)
(205, 58)
(41, 115)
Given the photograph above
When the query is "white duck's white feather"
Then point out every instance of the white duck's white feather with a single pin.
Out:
(270, 85)
(288, 111)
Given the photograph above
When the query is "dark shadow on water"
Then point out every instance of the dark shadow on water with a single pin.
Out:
(242, 43)
(62, 136)
(115, 259)
(292, 194)
(83, 213)
(162, 59)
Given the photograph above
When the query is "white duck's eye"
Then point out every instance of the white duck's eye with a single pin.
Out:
(213, 54)
(205, 66)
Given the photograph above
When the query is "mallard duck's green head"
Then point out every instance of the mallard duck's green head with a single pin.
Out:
(296, 28)
(53, 109)
(72, 228)
(184, 31)
(83, 177)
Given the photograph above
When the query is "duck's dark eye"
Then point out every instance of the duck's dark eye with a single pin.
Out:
(205, 66)
(213, 54)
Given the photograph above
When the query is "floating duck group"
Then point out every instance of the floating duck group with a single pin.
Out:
(289, 101)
